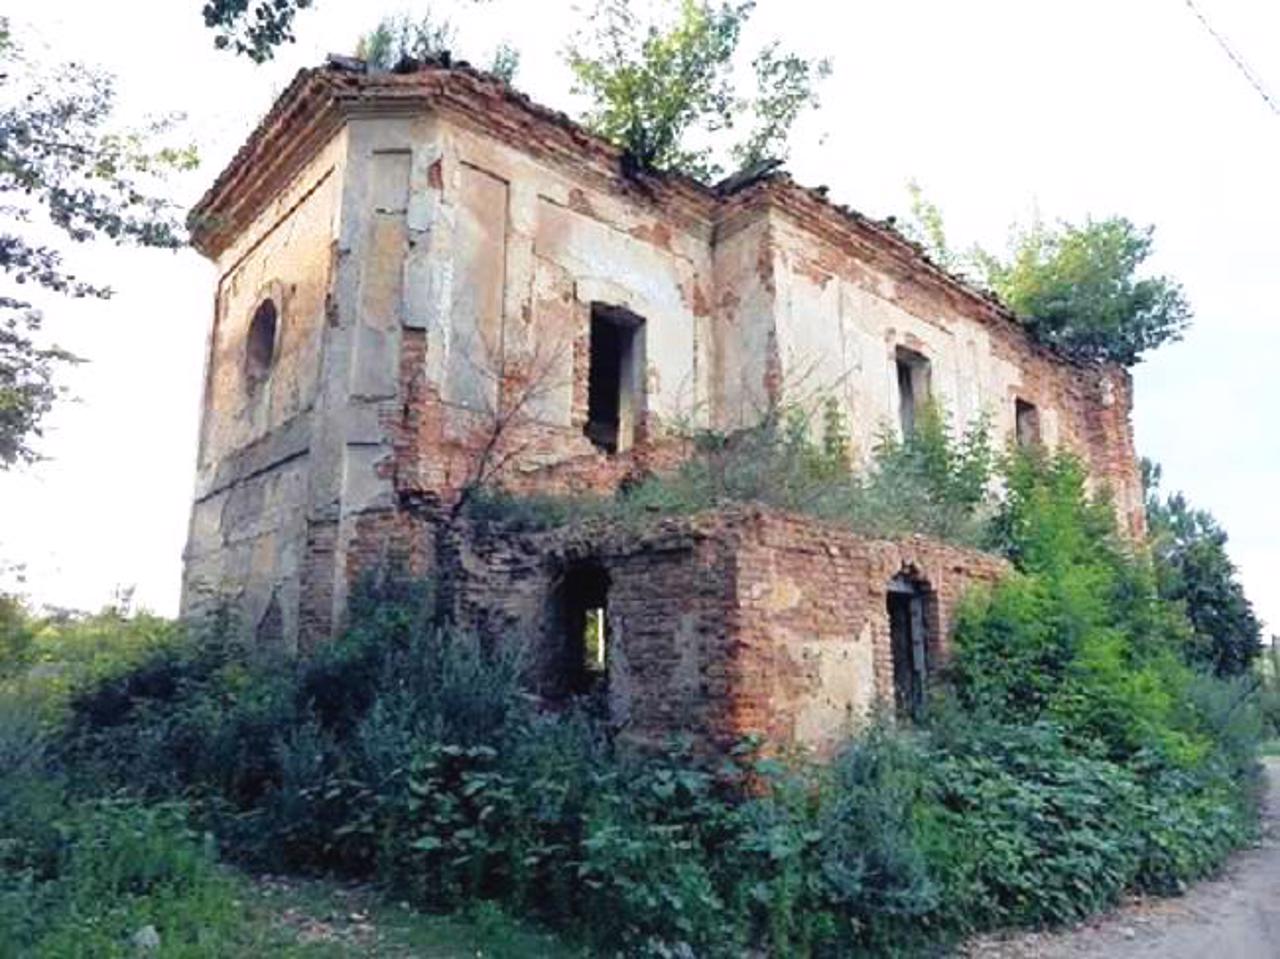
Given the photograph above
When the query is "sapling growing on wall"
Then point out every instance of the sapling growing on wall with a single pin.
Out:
(1077, 287)
(663, 88)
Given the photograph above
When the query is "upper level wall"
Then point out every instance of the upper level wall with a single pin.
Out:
(284, 255)
(842, 314)
(513, 254)
(743, 339)
(482, 262)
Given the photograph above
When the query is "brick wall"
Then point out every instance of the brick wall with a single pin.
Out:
(732, 622)
(812, 622)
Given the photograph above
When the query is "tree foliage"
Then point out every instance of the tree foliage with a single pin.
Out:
(67, 173)
(1194, 570)
(1079, 638)
(1077, 288)
(255, 28)
(661, 88)
(252, 28)
(926, 228)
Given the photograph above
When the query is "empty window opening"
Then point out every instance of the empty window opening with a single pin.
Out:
(913, 387)
(613, 377)
(1026, 423)
(583, 621)
(909, 641)
(260, 345)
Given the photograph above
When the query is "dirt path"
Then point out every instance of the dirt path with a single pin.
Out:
(1236, 916)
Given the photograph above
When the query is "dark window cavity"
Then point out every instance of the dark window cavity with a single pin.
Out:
(583, 622)
(1026, 423)
(913, 387)
(909, 642)
(614, 378)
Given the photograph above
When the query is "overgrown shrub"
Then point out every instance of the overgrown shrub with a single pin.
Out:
(1035, 831)
(1072, 755)
(1086, 719)
(47, 658)
(935, 482)
(80, 876)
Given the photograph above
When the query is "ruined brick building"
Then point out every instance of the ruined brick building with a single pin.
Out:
(407, 259)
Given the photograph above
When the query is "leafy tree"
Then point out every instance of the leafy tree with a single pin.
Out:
(66, 173)
(658, 86)
(784, 89)
(253, 28)
(1077, 289)
(1193, 569)
(505, 62)
(1078, 635)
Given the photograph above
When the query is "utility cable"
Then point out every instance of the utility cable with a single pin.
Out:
(1237, 59)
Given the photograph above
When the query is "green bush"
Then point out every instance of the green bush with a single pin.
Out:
(1073, 755)
(48, 659)
(934, 482)
(80, 877)
(1036, 833)
(1098, 730)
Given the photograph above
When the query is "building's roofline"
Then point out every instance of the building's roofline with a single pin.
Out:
(318, 99)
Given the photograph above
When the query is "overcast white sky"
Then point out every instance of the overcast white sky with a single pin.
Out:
(1094, 106)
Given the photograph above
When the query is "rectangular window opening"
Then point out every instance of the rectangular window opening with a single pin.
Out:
(913, 387)
(909, 644)
(1026, 420)
(615, 359)
(583, 601)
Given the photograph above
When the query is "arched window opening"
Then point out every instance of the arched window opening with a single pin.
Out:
(260, 345)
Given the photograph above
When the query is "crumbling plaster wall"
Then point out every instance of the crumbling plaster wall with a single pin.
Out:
(743, 345)
(811, 624)
(519, 251)
(466, 270)
(841, 313)
(248, 529)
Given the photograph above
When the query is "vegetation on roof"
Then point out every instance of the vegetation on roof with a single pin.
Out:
(1078, 288)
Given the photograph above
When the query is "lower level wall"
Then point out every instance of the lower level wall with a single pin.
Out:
(727, 624)
(670, 588)
(812, 622)
(247, 551)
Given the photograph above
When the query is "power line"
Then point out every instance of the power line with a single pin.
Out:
(1237, 59)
